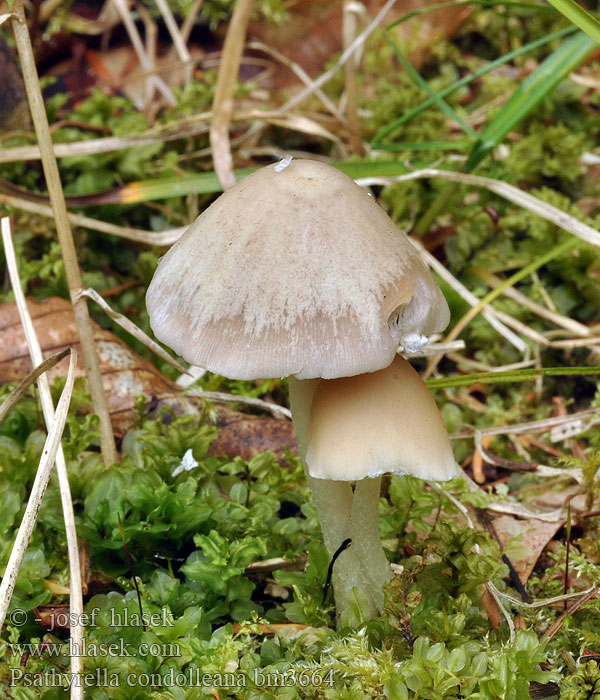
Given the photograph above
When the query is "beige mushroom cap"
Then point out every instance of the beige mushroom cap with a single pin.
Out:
(377, 423)
(293, 271)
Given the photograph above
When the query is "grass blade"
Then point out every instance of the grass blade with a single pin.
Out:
(37, 492)
(532, 90)
(580, 17)
(492, 65)
(422, 83)
(511, 376)
(22, 386)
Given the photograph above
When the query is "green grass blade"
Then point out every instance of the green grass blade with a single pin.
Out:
(464, 3)
(416, 76)
(580, 17)
(208, 183)
(390, 128)
(532, 90)
(456, 145)
(511, 376)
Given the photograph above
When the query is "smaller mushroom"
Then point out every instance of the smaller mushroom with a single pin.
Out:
(356, 429)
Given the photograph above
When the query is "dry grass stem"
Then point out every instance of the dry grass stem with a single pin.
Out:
(153, 81)
(24, 384)
(563, 425)
(352, 9)
(346, 56)
(38, 489)
(63, 228)
(190, 19)
(183, 128)
(482, 444)
(545, 602)
(277, 411)
(37, 358)
(226, 84)
(130, 327)
(512, 194)
(191, 375)
(489, 313)
(558, 319)
(178, 41)
(301, 74)
(163, 238)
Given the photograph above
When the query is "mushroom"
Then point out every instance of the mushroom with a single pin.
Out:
(297, 272)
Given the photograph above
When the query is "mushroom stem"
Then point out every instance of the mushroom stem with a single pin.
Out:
(334, 501)
(366, 540)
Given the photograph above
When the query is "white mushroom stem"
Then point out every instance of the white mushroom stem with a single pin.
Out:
(366, 540)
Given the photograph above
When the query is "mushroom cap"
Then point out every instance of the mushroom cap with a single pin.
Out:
(294, 271)
(372, 424)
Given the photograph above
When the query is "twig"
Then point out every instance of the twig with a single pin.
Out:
(35, 352)
(191, 126)
(22, 386)
(178, 40)
(277, 411)
(574, 326)
(63, 228)
(188, 22)
(346, 55)
(38, 490)
(553, 629)
(138, 46)
(302, 74)
(489, 313)
(130, 327)
(568, 552)
(544, 602)
(512, 194)
(162, 238)
(223, 102)
(350, 23)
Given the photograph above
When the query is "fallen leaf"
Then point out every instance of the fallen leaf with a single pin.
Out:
(535, 535)
(125, 375)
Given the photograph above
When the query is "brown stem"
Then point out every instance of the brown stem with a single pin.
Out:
(63, 228)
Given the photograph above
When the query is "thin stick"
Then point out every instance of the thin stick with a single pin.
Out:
(223, 103)
(301, 73)
(63, 228)
(510, 192)
(38, 490)
(160, 238)
(35, 352)
(275, 409)
(553, 629)
(346, 55)
(489, 313)
(568, 552)
(188, 22)
(563, 321)
(350, 23)
(22, 386)
(178, 40)
(138, 46)
(130, 327)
